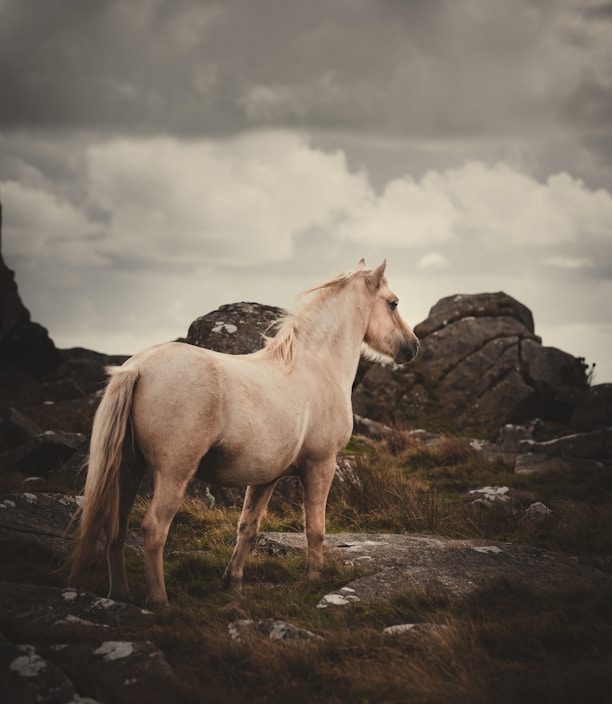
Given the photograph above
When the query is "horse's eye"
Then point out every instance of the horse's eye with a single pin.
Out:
(393, 304)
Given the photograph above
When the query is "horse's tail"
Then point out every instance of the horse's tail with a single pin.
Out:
(99, 509)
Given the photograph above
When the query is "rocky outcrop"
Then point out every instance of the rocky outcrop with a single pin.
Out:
(480, 366)
(235, 328)
(23, 344)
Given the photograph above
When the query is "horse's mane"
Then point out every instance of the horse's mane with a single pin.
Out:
(283, 345)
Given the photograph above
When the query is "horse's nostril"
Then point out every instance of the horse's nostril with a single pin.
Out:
(407, 353)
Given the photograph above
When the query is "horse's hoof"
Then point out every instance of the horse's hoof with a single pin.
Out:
(125, 598)
(233, 585)
(157, 605)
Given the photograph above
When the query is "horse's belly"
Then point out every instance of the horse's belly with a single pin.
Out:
(225, 467)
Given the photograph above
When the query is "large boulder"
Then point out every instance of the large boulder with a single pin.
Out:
(480, 366)
(235, 328)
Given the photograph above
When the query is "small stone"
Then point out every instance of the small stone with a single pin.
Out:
(28, 665)
(115, 650)
(488, 548)
(536, 512)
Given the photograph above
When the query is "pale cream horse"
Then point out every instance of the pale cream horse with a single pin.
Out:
(243, 420)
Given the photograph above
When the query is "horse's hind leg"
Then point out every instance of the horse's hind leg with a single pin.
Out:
(167, 498)
(130, 478)
(255, 501)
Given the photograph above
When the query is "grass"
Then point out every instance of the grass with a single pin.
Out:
(505, 644)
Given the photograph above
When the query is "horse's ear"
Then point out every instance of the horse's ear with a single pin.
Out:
(375, 277)
(361, 264)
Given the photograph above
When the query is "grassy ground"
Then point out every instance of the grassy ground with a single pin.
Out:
(505, 644)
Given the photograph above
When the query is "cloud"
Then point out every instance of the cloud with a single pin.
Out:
(433, 260)
(487, 209)
(264, 197)
(43, 227)
(239, 202)
(412, 67)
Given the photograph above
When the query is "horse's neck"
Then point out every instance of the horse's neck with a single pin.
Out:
(336, 333)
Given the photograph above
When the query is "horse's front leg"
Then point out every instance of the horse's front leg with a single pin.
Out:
(255, 502)
(316, 478)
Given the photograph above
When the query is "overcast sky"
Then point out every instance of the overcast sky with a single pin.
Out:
(159, 158)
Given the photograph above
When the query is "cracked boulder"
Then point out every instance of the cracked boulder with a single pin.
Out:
(480, 366)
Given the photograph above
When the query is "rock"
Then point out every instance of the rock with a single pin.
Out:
(42, 454)
(530, 462)
(403, 628)
(509, 437)
(23, 343)
(596, 444)
(370, 428)
(42, 519)
(346, 473)
(36, 613)
(342, 597)
(481, 305)
(72, 415)
(76, 647)
(117, 670)
(235, 328)
(490, 495)
(80, 373)
(15, 429)
(537, 512)
(559, 381)
(594, 409)
(272, 628)
(28, 678)
(480, 367)
(443, 566)
(120, 671)
(18, 389)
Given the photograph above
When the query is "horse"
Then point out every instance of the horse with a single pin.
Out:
(235, 420)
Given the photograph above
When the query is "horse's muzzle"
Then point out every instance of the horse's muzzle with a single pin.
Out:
(407, 352)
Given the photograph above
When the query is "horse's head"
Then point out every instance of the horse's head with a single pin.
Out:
(387, 332)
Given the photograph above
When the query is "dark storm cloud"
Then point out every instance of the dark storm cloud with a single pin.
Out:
(599, 12)
(420, 68)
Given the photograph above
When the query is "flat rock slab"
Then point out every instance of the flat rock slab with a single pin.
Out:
(44, 518)
(39, 518)
(444, 566)
(35, 613)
